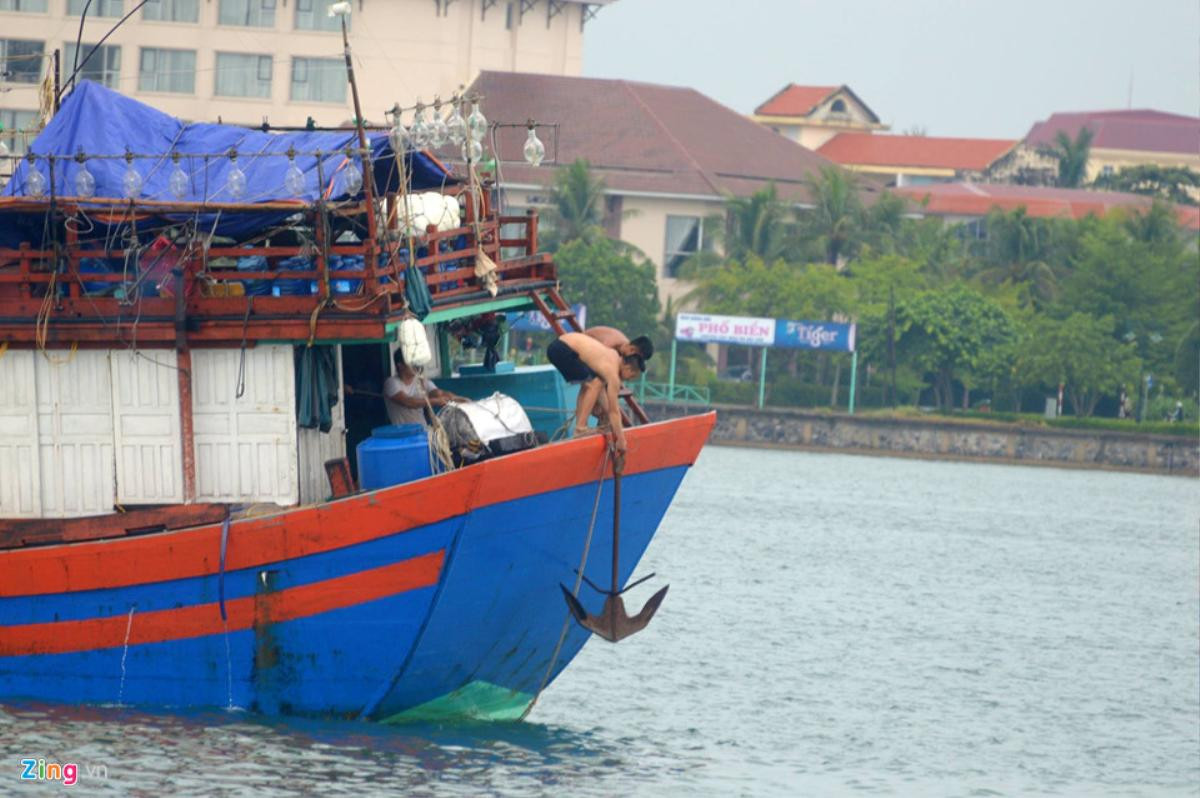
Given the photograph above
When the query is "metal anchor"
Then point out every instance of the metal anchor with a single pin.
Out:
(614, 623)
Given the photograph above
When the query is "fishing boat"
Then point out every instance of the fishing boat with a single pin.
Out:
(183, 520)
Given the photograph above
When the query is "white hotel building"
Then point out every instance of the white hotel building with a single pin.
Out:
(246, 60)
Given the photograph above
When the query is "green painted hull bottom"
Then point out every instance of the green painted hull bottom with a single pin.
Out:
(474, 701)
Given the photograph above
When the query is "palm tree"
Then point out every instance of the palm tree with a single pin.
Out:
(1016, 252)
(756, 225)
(834, 223)
(1072, 156)
(576, 205)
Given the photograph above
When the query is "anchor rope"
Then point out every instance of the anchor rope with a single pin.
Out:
(587, 546)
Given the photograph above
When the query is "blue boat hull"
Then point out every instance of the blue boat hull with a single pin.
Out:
(458, 616)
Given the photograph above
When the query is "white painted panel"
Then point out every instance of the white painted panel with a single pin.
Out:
(246, 448)
(317, 447)
(75, 433)
(20, 487)
(149, 453)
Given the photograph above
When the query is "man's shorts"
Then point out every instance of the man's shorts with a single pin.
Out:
(568, 363)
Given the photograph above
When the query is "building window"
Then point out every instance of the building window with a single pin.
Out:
(685, 237)
(247, 13)
(23, 5)
(838, 106)
(21, 60)
(14, 122)
(243, 75)
(98, 8)
(172, 10)
(320, 80)
(314, 15)
(103, 67)
(167, 70)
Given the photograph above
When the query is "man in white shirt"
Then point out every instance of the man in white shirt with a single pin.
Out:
(405, 393)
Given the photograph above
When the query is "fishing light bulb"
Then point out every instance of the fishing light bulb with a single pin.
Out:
(456, 126)
(401, 136)
(235, 183)
(177, 182)
(438, 130)
(421, 133)
(472, 150)
(35, 181)
(293, 178)
(85, 183)
(476, 123)
(131, 181)
(535, 151)
(352, 179)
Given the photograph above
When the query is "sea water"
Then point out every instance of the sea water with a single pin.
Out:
(836, 625)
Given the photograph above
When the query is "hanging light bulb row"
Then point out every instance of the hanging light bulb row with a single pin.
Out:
(179, 182)
(467, 133)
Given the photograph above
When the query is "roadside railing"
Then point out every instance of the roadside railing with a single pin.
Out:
(663, 392)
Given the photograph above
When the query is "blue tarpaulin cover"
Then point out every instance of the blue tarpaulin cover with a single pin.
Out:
(95, 120)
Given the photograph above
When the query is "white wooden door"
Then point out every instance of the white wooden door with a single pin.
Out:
(246, 448)
(20, 486)
(75, 430)
(145, 397)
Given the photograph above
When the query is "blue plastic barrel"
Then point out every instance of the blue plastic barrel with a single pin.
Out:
(392, 455)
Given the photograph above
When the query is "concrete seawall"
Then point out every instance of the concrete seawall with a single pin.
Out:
(947, 440)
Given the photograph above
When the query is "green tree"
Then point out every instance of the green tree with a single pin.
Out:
(1072, 155)
(1081, 353)
(576, 206)
(1150, 288)
(952, 334)
(1173, 183)
(616, 285)
(756, 225)
(1017, 251)
(833, 226)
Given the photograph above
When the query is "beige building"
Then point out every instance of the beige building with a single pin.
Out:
(812, 115)
(243, 60)
(1120, 140)
(669, 156)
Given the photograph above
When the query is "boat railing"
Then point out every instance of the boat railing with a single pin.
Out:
(149, 279)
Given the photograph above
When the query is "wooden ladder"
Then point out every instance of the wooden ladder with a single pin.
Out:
(558, 312)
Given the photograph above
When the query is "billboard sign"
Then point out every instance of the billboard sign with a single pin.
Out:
(815, 335)
(707, 328)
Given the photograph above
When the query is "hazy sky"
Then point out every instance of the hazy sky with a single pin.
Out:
(981, 68)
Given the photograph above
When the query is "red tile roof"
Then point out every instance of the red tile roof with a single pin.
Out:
(643, 137)
(865, 149)
(976, 199)
(1142, 130)
(793, 100)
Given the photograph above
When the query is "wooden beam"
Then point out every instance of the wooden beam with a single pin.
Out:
(187, 437)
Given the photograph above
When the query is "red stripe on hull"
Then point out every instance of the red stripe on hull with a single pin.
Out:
(311, 530)
(205, 619)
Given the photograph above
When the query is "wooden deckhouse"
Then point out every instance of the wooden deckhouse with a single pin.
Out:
(150, 342)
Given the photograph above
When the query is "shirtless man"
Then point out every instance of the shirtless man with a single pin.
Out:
(582, 358)
(614, 338)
